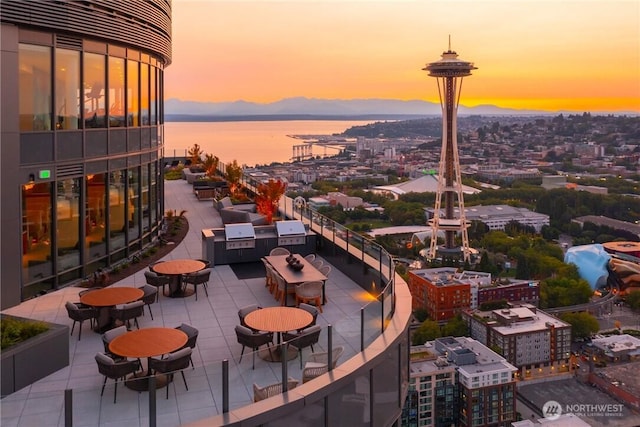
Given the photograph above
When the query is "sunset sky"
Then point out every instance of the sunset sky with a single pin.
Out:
(542, 54)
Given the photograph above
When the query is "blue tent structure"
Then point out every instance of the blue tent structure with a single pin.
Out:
(592, 262)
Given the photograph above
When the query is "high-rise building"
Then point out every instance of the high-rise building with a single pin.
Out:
(449, 72)
(459, 381)
(82, 137)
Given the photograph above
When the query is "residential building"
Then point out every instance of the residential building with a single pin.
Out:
(459, 381)
(82, 138)
(617, 348)
(440, 291)
(537, 343)
(497, 216)
(510, 290)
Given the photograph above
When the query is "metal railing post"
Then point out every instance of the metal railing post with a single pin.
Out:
(68, 408)
(225, 386)
(362, 329)
(152, 401)
(283, 359)
(330, 345)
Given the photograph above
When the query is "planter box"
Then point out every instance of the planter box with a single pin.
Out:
(35, 358)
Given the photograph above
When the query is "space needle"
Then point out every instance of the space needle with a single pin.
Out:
(449, 72)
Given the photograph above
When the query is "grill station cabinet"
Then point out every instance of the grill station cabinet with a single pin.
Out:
(244, 242)
(240, 236)
(291, 233)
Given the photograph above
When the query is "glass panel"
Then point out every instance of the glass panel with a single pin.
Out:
(68, 223)
(36, 231)
(133, 96)
(144, 94)
(34, 87)
(67, 89)
(134, 204)
(153, 194)
(94, 87)
(372, 322)
(145, 199)
(350, 406)
(153, 96)
(96, 214)
(386, 386)
(117, 202)
(116, 92)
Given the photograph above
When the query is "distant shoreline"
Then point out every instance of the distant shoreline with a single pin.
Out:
(289, 117)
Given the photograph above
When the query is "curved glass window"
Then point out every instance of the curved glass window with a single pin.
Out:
(95, 244)
(34, 87)
(133, 96)
(153, 99)
(116, 92)
(117, 203)
(67, 89)
(68, 223)
(144, 94)
(133, 205)
(36, 231)
(94, 90)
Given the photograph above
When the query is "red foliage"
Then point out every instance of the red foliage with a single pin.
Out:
(268, 197)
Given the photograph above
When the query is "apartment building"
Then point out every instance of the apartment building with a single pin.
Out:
(459, 381)
(537, 343)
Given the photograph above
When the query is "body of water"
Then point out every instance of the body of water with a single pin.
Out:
(252, 142)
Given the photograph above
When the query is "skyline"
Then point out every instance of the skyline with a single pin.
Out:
(544, 55)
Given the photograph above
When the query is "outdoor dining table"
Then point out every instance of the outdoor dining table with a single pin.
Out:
(294, 277)
(278, 319)
(104, 299)
(176, 268)
(146, 343)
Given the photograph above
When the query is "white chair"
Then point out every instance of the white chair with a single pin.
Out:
(317, 263)
(279, 251)
(261, 393)
(309, 292)
(310, 257)
(318, 363)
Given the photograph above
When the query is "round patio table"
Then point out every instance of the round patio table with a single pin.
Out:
(147, 342)
(104, 299)
(278, 319)
(176, 268)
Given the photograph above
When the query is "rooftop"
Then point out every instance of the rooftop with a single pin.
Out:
(214, 316)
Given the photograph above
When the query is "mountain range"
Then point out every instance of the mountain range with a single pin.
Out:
(314, 108)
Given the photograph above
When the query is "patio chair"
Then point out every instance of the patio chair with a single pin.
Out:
(310, 257)
(318, 363)
(126, 312)
(261, 393)
(169, 365)
(199, 278)
(271, 274)
(307, 292)
(192, 337)
(80, 314)
(311, 310)
(109, 336)
(150, 296)
(115, 369)
(280, 295)
(206, 262)
(157, 280)
(305, 338)
(279, 251)
(253, 340)
(242, 313)
(268, 280)
(325, 269)
(317, 263)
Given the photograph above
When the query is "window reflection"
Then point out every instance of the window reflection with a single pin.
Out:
(35, 87)
(133, 206)
(145, 199)
(133, 97)
(117, 202)
(153, 193)
(94, 86)
(68, 223)
(67, 89)
(36, 231)
(96, 216)
(116, 92)
(153, 96)
(144, 94)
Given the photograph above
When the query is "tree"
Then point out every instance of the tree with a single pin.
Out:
(195, 154)
(633, 299)
(583, 324)
(563, 291)
(268, 196)
(420, 314)
(428, 331)
(456, 327)
(234, 173)
(210, 165)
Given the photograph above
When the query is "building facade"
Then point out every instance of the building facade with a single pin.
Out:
(459, 381)
(511, 290)
(82, 138)
(440, 291)
(537, 343)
